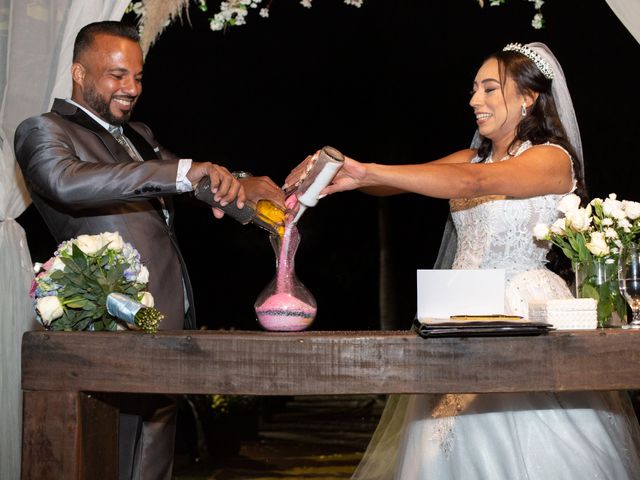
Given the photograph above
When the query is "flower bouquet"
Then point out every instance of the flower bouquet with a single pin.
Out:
(94, 282)
(591, 238)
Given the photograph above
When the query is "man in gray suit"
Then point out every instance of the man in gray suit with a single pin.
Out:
(89, 170)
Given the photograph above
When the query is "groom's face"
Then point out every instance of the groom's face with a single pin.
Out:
(111, 79)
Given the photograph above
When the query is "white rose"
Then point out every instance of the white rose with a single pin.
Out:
(632, 209)
(36, 267)
(57, 264)
(598, 245)
(113, 240)
(146, 299)
(558, 227)
(541, 231)
(49, 308)
(625, 225)
(613, 208)
(89, 244)
(579, 219)
(143, 275)
(569, 203)
(610, 233)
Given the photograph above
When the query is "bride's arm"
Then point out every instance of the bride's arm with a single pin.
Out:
(540, 170)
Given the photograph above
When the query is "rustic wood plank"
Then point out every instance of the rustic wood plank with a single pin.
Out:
(99, 438)
(69, 435)
(50, 434)
(266, 363)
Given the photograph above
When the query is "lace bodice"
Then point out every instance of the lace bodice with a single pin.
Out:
(497, 231)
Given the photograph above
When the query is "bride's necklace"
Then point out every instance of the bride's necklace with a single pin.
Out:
(506, 157)
(508, 154)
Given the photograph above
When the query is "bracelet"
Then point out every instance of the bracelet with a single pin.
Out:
(241, 174)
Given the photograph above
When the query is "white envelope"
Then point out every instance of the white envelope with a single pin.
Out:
(442, 293)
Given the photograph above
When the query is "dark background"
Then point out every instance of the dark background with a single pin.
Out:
(388, 82)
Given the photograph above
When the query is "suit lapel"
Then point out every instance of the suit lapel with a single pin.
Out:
(145, 150)
(76, 115)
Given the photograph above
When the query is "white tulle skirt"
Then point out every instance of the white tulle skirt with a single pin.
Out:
(533, 436)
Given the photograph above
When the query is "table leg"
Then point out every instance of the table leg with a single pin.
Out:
(69, 435)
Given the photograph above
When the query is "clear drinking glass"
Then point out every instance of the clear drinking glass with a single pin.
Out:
(629, 279)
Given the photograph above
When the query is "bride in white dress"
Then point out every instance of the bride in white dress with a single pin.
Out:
(526, 155)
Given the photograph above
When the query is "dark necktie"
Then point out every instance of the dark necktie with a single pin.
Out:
(124, 141)
(133, 153)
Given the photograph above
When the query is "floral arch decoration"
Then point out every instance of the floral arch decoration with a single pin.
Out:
(153, 16)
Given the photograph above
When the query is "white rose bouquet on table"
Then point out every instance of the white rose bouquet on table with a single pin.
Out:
(94, 282)
(597, 230)
(591, 237)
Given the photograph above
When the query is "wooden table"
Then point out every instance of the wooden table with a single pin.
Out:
(71, 380)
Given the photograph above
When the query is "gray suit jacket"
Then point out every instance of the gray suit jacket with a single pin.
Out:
(82, 181)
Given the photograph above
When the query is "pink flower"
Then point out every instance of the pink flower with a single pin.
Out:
(48, 264)
(32, 290)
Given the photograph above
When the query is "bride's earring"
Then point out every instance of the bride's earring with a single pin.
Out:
(523, 109)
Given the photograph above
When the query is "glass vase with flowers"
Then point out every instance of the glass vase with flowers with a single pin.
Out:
(591, 237)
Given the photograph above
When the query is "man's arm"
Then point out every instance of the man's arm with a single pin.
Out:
(79, 173)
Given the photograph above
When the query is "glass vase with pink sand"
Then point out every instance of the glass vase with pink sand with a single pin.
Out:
(285, 304)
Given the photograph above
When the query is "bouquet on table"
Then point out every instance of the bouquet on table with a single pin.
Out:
(94, 282)
(591, 237)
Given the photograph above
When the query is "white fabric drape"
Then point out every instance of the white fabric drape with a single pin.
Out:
(628, 11)
(35, 59)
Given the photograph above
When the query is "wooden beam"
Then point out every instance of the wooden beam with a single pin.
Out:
(265, 363)
(68, 435)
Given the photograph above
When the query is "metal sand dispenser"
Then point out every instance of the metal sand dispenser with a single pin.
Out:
(286, 304)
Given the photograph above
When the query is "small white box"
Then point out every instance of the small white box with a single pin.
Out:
(565, 314)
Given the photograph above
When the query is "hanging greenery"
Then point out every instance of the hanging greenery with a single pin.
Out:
(155, 15)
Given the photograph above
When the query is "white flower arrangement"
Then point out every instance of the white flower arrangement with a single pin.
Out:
(234, 12)
(597, 230)
(591, 237)
(94, 282)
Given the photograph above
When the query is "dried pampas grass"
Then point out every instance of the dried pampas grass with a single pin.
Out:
(158, 14)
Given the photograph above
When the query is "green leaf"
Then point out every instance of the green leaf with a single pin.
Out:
(98, 325)
(588, 290)
(78, 257)
(111, 325)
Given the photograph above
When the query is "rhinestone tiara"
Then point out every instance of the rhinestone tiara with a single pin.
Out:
(540, 62)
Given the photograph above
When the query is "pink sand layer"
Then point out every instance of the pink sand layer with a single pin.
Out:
(285, 313)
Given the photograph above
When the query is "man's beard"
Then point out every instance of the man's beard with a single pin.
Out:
(101, 106)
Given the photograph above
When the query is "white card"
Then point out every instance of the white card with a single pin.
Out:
(442, 293)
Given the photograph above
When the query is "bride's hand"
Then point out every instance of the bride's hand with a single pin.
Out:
(351, 176)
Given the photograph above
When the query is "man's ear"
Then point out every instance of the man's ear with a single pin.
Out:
(78, 73)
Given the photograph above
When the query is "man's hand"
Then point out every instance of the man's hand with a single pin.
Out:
(259, 188)
(224, 186)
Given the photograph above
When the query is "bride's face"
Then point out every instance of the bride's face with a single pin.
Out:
(497, 106)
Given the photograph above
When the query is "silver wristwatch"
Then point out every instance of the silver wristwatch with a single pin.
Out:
(241, 174)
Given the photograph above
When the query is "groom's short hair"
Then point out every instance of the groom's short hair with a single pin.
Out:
(86, 35)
